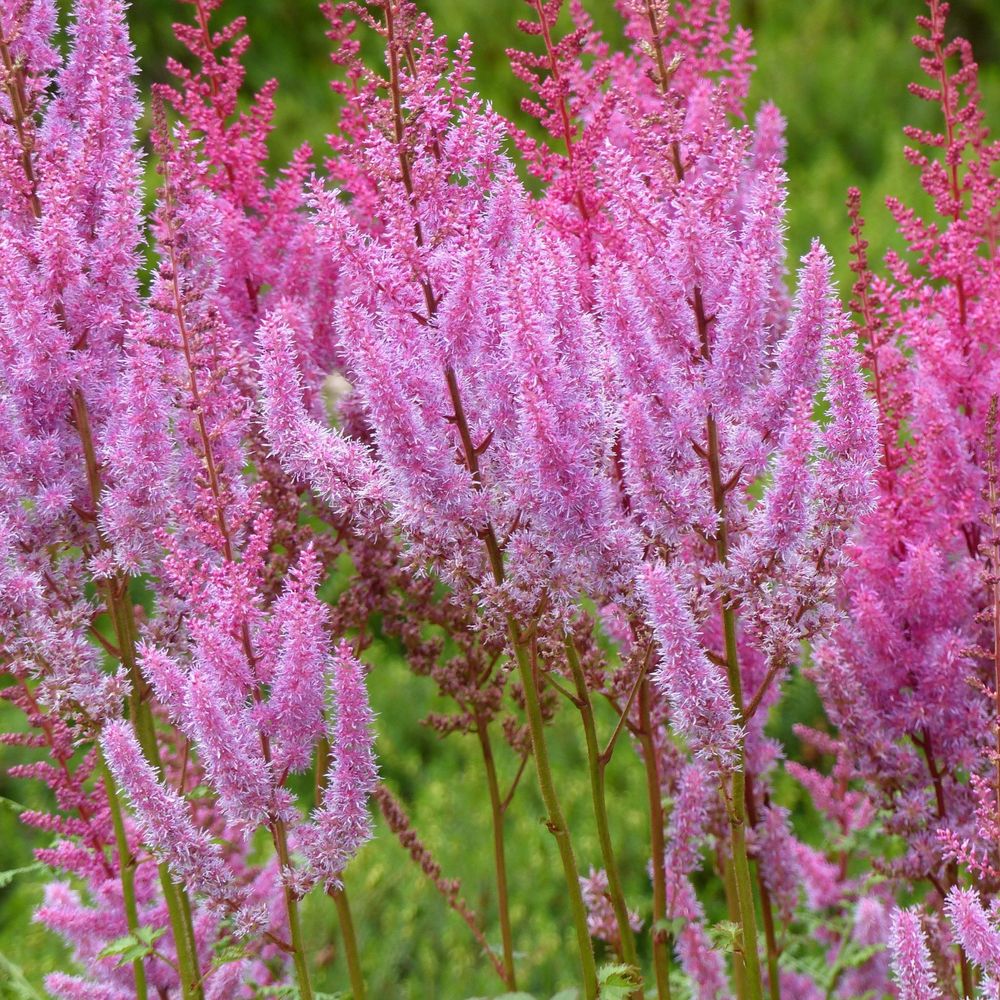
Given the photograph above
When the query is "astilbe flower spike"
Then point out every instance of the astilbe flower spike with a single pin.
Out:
(911, 959)
(342, 823)
(701, 708)
(164, 820)
(976, 934)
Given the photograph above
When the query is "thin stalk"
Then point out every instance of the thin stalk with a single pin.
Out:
(122, 615)
(555, 820)
(767, 914)
(339, 897)
(280, 837)
(926, 745)
(661, 943)
(737, 797)
(742, 883)
(597, 765)
(187, 957)
(499, 854)
(733, 908)
(126, 872)
(737, 828)
(766, 909)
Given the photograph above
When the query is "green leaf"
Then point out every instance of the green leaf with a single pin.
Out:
(149, 935)
(725, 934)
(571, 994)
(117, 946)
(133, 947)
(228, 952)
(12, 873)
(617, 982)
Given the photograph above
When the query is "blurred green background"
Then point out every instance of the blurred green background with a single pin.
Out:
(838, 70)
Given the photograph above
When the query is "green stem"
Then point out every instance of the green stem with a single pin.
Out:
(120, 611)
(187, 965)
(737, 827)
(280, 837)
(499, 854)
(339, 897)
(767, 913)
(126, 871)
(175, 896)
(597, 765)
(555, 820)
(766, 909)
(737, 791)
(733, 909)
(661, 942)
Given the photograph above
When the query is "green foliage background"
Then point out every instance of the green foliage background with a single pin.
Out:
(838, 70)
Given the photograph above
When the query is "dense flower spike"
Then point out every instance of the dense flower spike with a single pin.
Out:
(687, 828)
(340, 469)
(915, 978)
(164, 819)
(701, 708)
(410, 402)
(976, 934)
(342, 824)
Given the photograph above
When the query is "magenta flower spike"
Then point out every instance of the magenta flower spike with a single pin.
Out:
(342, 824)
(976, 933)
(911, 959)
(695, 688)
(700, 960)
(341, 470)
(164, 820)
